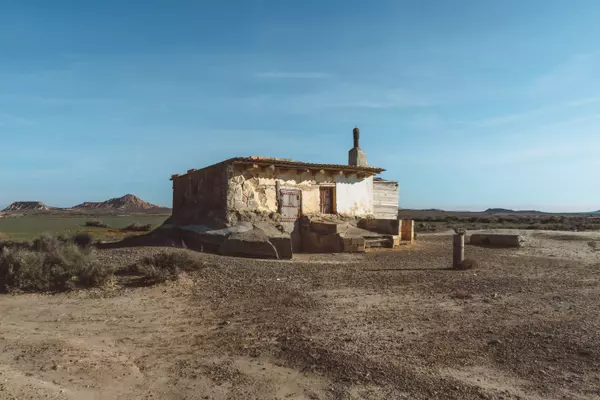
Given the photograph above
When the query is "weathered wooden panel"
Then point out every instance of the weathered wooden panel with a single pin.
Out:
(407, 227)
(385, 199)
(290, 204)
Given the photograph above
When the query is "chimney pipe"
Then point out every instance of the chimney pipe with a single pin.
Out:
(357, 157)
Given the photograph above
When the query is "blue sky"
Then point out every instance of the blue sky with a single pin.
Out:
(468, 104)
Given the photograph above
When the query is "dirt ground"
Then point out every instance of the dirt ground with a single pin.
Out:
(381, 325)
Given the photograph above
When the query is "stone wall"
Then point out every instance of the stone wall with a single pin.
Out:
(200, 197)
(255, 189)
(223, 194)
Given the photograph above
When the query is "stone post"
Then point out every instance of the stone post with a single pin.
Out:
(458, 255)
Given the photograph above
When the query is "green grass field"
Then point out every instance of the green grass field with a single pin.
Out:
(29, 227)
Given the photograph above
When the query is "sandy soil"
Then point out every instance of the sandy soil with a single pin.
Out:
(382, 325)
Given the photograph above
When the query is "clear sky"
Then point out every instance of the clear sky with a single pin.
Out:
(468, 104)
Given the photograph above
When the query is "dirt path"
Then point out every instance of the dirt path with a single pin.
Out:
(384, 325)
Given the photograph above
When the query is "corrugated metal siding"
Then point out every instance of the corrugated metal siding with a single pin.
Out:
(385, 199)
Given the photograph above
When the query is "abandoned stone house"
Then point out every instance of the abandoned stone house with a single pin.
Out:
(241, 188)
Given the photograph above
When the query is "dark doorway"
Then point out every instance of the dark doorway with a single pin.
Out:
(327, 199)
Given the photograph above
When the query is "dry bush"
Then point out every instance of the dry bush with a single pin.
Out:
(135, 227)
(96, 224)
(83, 240)
(164, 266)
(50, 265)
(12, 244)
(47, 243)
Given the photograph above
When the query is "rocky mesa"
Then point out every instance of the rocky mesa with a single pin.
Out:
(27, 206)
(127, 202)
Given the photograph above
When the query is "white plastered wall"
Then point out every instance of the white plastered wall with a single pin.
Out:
(354, 196)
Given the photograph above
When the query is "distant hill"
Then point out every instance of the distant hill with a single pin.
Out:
(127, 202)
(28, 206)
(509, 211)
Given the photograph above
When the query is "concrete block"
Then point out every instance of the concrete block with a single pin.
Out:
(253, 244)
(283, 245)
(323, 227)
(313, 242)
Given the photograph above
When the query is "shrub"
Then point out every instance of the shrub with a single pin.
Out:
(83, 240)
(50, 265)
(135, 227)
(19, 267)
(11, 244)
(93, 274)
(96, 224)
(47, 243)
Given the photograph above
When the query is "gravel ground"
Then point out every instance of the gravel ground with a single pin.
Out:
(381, 325)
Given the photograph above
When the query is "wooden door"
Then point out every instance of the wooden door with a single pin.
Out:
(291, 210)
(290, 204)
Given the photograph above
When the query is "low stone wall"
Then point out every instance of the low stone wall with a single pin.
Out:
(316, 242)
(383, 226)
(496, 240)
(353, 245)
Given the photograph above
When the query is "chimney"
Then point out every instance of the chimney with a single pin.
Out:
(357, 157)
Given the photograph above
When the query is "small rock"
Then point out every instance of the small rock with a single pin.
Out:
(494, 342)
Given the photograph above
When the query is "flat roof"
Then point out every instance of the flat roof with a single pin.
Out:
(288, 163)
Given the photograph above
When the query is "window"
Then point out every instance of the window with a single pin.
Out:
(327, 199)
